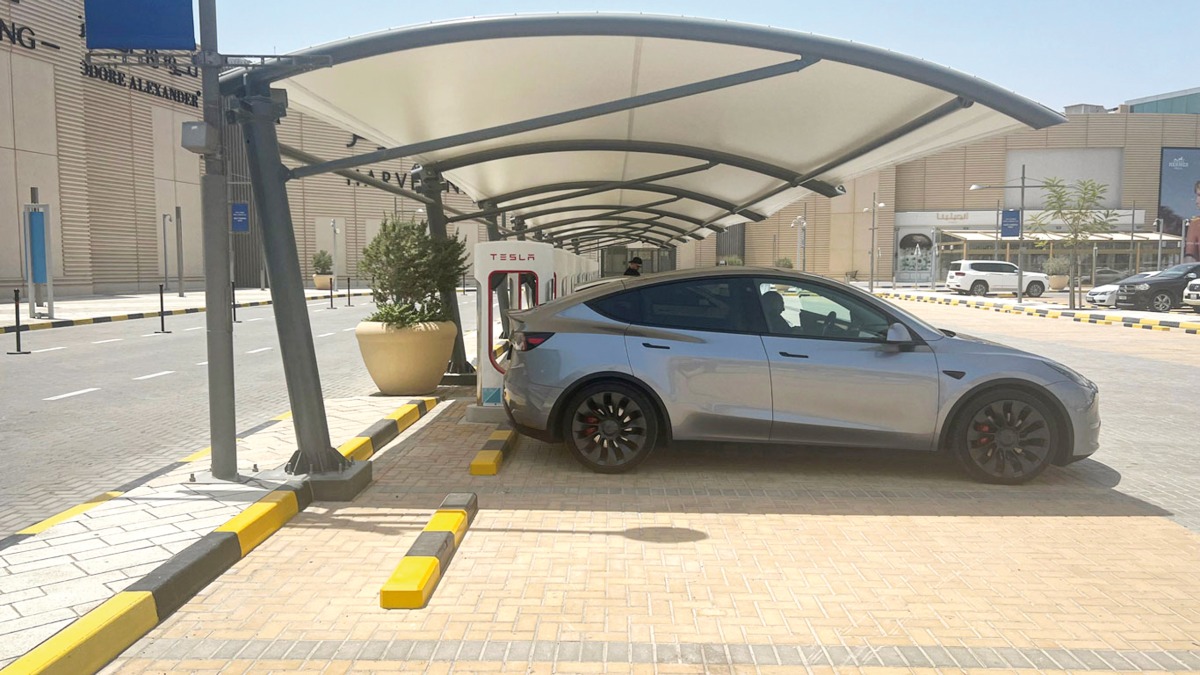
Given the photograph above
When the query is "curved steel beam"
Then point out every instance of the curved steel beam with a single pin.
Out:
(647, 147)
(561, 226)
(649, 227)
(729, 207)
(622, 237)
(658, 27)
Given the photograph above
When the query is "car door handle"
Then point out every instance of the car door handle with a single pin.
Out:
(654, 346)
(793, 356)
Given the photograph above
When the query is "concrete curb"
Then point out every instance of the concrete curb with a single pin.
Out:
(93, 640)
(489, 458)
(415, 578)
(1082, 316)
(66, 323)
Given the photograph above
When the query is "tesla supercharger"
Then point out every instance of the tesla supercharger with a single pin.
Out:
(521, 273)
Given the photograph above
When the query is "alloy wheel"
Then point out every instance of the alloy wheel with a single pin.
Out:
(1162, 303)
(608, 429)
(1009, 440)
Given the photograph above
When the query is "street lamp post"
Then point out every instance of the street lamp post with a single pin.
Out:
(874, 205)
(1021, 232)
(802, 240)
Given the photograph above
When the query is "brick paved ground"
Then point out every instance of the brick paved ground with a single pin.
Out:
(747, 559)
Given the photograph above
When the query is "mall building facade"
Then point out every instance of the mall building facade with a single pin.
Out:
(102, 147)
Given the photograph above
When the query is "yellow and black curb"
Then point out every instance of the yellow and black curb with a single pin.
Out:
(415, 578)
(113, 318)
(366, 444)
(489, 458)
(1081, 316)
(92, 641)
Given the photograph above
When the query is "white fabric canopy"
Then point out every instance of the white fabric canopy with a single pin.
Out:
(854, 110)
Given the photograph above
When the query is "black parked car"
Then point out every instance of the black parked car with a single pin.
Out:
(1160, 292)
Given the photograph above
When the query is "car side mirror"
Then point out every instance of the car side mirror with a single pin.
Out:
(899, 336)
(1191, 275)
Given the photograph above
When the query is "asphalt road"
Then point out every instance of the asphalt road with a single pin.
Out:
(96, 406)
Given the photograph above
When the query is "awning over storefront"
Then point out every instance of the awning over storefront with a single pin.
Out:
(978, 235)
(618, 128)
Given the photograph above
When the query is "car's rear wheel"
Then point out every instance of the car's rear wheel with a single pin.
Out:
(1162, 302)
(1035, 289)
(1005, 436)
(611, 427)
(979, 288)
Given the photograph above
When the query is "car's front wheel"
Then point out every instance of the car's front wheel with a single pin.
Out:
(1162, 302)
(1035, 289)
(1005, 436)
(611, 427)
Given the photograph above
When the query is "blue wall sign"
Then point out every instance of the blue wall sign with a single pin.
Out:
(37, 245)
(1010, 223)
(139, 24)
(240, 216)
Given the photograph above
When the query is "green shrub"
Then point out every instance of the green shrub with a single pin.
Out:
(785, 263)
(1057, 266)
(409, 269)
(322, 262)
(733, 261)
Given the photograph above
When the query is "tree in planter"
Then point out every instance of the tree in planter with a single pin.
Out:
(784, 263)
(1077, 208)
(322, 262)
(408, 270)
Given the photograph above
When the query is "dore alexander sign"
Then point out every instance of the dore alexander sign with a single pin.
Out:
(120, 79)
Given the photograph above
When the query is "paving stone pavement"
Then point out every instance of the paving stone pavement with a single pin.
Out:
(708, 558)
(54, 577)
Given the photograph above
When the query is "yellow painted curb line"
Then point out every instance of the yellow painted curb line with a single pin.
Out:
(93, 640)
(69, 513)
(411, 584)
(283, 416)
(357, 448)
(405, 415)
(261, 519)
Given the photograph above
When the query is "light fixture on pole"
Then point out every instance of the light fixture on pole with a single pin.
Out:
(166, 273)
(874, 206)
(1158, 223)
(1020, 232)
(802, 240)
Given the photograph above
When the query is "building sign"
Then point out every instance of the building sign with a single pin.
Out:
(136, 83)
(1179, 197)
(22, 36)
(139, 24)
(1010, 223)
(240, 216)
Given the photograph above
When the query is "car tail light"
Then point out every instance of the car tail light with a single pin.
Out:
(524, 342)
(960, 274)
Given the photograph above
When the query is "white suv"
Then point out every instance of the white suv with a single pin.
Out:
(980, 277)
(1191, 295)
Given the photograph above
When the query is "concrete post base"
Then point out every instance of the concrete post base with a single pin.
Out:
(486, 414)
(341, 486)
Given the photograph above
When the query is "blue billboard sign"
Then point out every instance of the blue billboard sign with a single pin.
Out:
(37, 246)
(240, 216)
(139, 24)
(1010, 223)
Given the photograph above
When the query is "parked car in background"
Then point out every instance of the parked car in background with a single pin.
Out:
(1103, 276)
(1161, 292)
(1106, 295)
(1191, 296)
(742, 354)
(980, 277)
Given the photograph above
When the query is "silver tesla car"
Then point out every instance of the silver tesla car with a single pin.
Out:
(775, 356)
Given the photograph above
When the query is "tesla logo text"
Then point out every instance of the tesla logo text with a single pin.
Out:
(514, 256)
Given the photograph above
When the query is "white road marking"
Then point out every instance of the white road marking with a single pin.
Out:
(202, 363)
(197, 328)
(253, 320)
(153, 334)
(260, 349)
(48, 349)
(100, 342)
(347, 330)
(147, 377)
(324, 335)
(74, 393)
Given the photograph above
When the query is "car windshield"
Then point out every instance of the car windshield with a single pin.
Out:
(1176, 271)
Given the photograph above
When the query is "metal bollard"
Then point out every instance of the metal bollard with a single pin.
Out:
(331, 291)
(17, 313)
(162, 312)
(348, 303)
(233, 297)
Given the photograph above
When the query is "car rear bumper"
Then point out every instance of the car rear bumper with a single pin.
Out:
(528, 404)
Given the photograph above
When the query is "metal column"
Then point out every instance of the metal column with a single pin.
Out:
(429, 183)
(218, 318)
(259, 114)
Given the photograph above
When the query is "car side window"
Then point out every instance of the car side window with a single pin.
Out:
(805, 309)
(625, 306)
(698, 304)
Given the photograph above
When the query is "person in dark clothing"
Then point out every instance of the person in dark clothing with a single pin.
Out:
(635, 267)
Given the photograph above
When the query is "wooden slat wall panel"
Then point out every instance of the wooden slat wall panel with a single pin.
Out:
(1105, 131)
(1143, 153)
(945, 174)
(984, 166)
(910, 186)
(110, 170)
(885, 224)
(1070, 135)
(145, 214)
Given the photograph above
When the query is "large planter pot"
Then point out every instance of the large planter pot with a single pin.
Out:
(406, 361)
(323, 282)
(1058, 281)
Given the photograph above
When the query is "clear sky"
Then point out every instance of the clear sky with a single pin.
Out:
(1057, 52)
